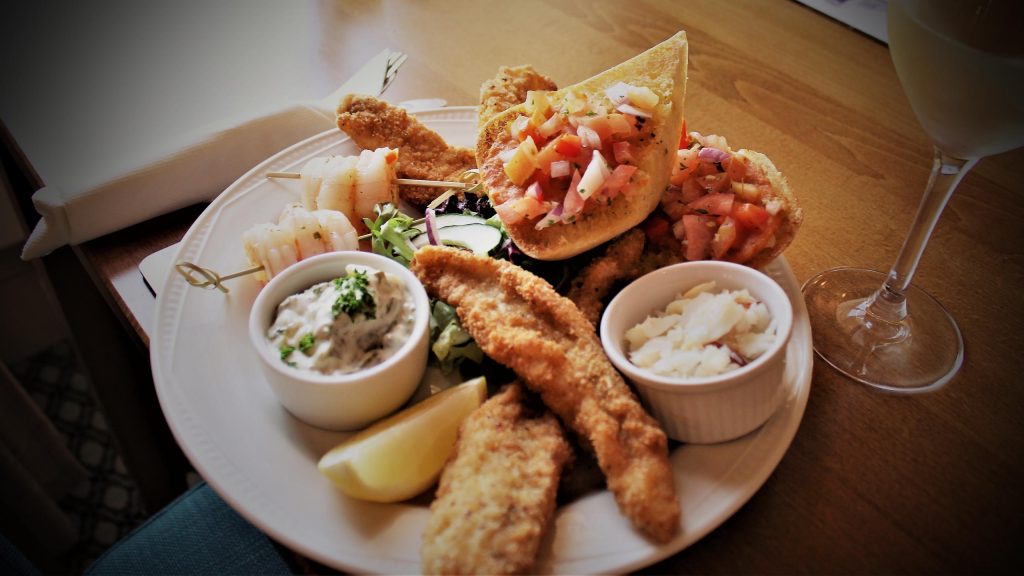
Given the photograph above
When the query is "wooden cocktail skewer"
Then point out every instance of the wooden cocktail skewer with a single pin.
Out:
(400, 181)
(208, 278)
(211, 279)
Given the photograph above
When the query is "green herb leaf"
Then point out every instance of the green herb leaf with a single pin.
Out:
(354, 296)
(306, 342)
(286, 351)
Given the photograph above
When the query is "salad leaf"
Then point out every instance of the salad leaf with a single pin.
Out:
(450, 342)
(390, 232)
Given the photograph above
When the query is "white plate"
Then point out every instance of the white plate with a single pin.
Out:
(263, 461)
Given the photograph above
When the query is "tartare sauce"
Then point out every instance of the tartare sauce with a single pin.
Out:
(344, 325)
(702, 333)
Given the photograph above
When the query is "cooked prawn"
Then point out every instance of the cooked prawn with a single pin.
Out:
(298, 234)
(352, 185)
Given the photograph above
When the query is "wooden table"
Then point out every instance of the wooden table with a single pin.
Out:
(872, 483)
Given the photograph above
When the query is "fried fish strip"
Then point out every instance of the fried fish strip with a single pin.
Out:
(618, 262)
(422, 153)
(521, 322)
(509, 88)
(496, 497)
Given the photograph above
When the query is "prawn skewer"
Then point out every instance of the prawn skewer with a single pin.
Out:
(331, 185)
(399, 181)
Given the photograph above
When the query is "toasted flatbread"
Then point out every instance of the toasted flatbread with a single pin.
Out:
(792, 216)
(662, 69)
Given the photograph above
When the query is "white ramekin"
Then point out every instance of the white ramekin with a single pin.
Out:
(708, 409)
(348, 401)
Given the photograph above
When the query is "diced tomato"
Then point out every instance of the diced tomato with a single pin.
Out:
(750, 215)
(755, 242)
(724, 238)
(713, 204)
(622, 124)
(698, 234)
(573, 200)
(658, 231)
(716, 182)
(508, 213)
(531, 132)
(568, 145)
(599, 124)
(691, 191)
(737, 170)
(619, 180)
(621, 152)
(548, 154)
(685, 164)
(684, 138)
(530, 206)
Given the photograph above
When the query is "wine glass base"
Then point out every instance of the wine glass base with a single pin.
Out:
(920, 354)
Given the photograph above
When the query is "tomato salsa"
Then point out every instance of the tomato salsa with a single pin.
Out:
(573, 153)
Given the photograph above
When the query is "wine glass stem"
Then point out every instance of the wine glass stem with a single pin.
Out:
(889, 303)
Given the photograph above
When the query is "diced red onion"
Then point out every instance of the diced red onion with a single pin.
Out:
(560, 168)
(589, 137)
(551, 126)
(618, 93)
(431, 221)
(573, 200)
(518, 125)
(594, 176)
(535, 191)
(627, 108)
(553, 216)
(713, 155)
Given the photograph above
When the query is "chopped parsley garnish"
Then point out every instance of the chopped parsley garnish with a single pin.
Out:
(306, 342)
(353, 297)
(286, 351)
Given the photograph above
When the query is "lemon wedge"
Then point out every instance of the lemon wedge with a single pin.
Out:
(402, 455)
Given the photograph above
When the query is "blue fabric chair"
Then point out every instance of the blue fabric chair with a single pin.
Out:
(12, 562)
(198, 533)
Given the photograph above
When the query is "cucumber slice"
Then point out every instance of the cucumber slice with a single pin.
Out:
(444, 220)
(478, 237)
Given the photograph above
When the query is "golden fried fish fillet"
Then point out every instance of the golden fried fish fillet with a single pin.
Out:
(521, 322)
(618, 262)
(509, 88)
(497, 492)
(422, 153)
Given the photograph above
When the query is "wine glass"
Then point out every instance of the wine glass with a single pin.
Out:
(961, 63)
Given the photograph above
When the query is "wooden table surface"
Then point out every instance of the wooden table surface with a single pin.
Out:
(872, 483)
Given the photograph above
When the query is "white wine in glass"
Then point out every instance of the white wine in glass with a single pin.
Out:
(961, 63)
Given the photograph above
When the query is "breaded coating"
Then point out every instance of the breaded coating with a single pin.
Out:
(497, 492)
(509, 88)
(422, 153)
(520, 321)
(618, 262)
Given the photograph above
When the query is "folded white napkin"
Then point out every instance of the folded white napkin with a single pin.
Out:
(197, 172)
